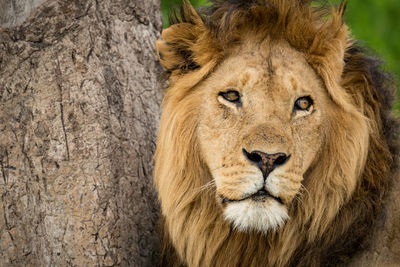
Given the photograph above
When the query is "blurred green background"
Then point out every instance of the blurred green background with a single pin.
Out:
(375, 23)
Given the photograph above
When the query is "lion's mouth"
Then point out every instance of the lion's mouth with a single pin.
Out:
(260, 196)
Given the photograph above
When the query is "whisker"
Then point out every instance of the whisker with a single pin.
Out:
(211, 170)
(205, 187)
(299, 196)
(303, 188)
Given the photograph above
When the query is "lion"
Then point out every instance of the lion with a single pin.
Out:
(276, 144)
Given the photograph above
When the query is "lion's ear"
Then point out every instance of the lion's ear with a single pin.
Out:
(178, 44)
(327, 53)
(175, 48)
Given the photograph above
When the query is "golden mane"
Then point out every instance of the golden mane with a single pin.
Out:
(344, 207)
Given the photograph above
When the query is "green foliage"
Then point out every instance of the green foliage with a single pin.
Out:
(167, 7)
(375, 23)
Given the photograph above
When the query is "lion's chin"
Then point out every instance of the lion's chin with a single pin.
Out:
(262, 216)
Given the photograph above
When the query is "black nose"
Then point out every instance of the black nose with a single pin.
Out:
(266, 162)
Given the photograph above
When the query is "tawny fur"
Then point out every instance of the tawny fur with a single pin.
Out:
(349, 176)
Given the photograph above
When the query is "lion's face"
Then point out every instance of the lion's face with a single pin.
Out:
(260, 129)
(272, 113)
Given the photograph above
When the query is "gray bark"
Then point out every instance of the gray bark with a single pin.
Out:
(14, 12)
(79, 109)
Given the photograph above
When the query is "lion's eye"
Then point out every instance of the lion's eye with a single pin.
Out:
(303, 103)
(231, 96)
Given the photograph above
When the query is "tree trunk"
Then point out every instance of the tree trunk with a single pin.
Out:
(14, 12)
(79, 110)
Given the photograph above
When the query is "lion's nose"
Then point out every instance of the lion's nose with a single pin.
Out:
(266, 162)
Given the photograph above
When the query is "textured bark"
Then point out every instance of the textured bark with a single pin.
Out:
(79, 110)
(13, 12)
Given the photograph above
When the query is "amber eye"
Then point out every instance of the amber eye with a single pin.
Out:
(303, 103)
(231, 96)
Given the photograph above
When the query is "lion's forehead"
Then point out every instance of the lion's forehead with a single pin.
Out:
(276, 74)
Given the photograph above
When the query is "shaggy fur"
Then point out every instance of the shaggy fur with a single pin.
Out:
(346, 187)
